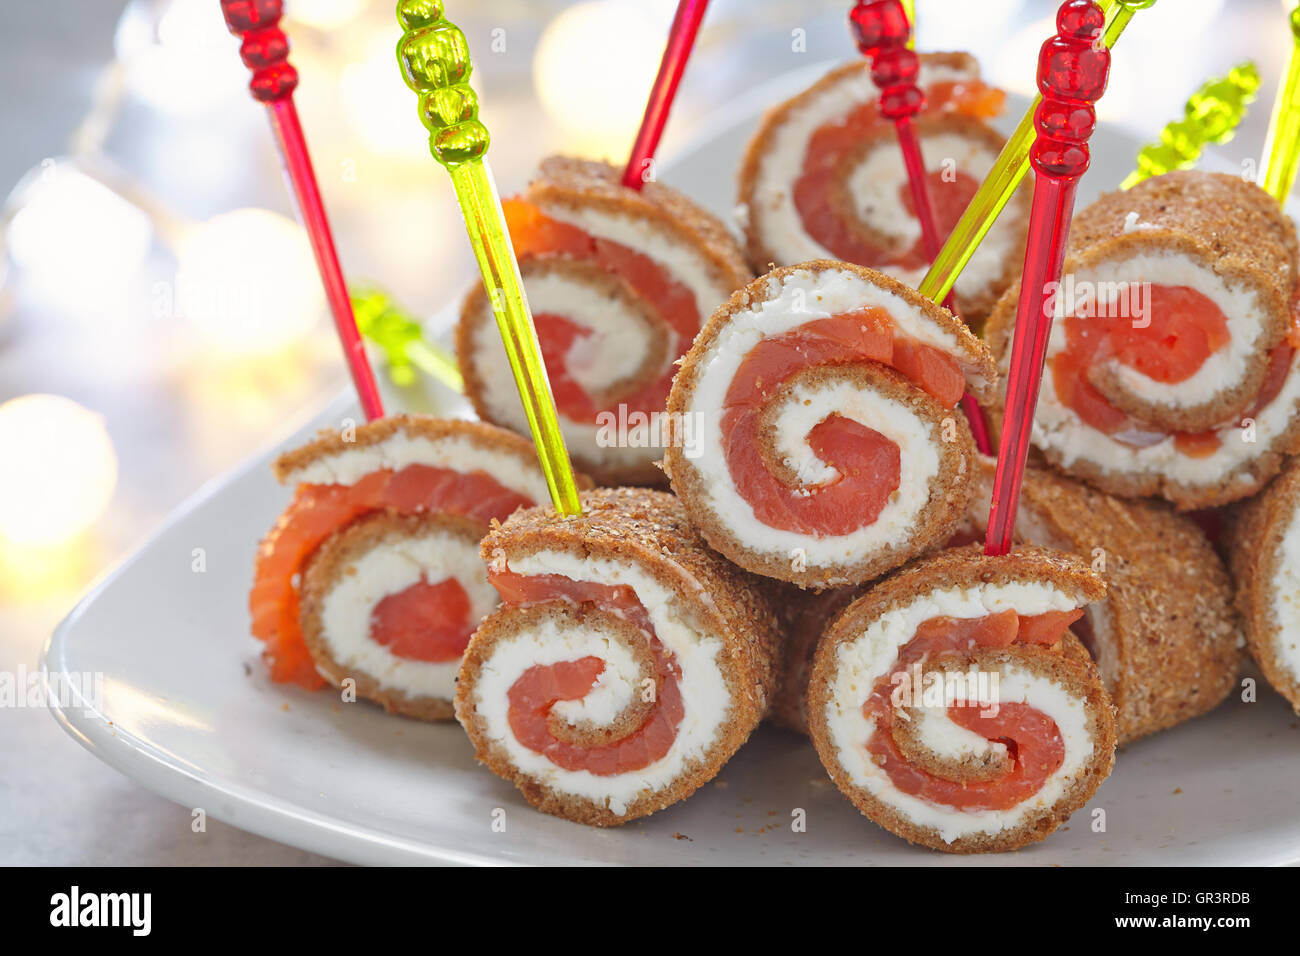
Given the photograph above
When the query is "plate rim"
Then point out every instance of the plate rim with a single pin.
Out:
(250, 808)
(258, 810)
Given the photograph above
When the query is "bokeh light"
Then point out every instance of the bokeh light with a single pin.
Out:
(377, 103)
(247, 281)
(58, 470)
(324, 14)
(593, 70)
(179, 60)
(69, 229)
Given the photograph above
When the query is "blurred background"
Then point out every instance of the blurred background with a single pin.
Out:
(140, 178)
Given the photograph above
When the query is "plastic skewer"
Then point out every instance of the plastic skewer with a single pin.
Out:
(1282, 148)
(909, 10)
(681, 38)
(1072, 74)
(435, 61)
(1211, 115)
(401, 337)
(1008, 172)
(265, 51)
(882, 30)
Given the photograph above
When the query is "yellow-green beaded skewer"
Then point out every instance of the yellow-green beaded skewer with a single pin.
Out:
(400, 336)
(1212, 115)
(435, 60)
(1282, 150)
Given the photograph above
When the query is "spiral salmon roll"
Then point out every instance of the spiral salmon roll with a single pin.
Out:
(620, 282)
(1264, 554)
(627, 663)
(823, 178)
(952, 706)
(803, 617)
(1171, 367)
(1165, 638)
(373, 573)
(827, 450)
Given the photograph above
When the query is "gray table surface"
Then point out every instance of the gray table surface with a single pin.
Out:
(58, 804)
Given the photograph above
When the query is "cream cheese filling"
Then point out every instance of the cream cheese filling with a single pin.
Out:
(1285, 590)
(454, 452)
(778, 221)
(1117, 286)
(1060, 430)
(704, 692)
(388, 569)
(870, 656)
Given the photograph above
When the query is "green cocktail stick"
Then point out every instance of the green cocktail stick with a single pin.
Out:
(435, 60)
(1282, 152)
(1008, 172)
(1212, 115)
(402, 340)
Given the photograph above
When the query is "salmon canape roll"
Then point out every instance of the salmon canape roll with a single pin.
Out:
(626, 665)
(620, 282)
(1264, 554)
(1171, 367)
(823, 178)
(828, 448)
(372, 573)
(952, 706)
(803, 617)
(1165, 638)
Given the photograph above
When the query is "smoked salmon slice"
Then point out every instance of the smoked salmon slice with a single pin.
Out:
(1182, 330)
(319, 511)
(817, 194)
(1032, 739)
(424, 622)
(535, 235)
(540, 687)
(869, 464)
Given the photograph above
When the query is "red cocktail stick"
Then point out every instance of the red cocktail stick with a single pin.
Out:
(1072, 73)
(882, 31)
(681, 37)
(265, 51)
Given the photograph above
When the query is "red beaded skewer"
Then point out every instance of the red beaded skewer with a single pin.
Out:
(1072, 72)
(265, 51)
(882, 31)
(681, 38)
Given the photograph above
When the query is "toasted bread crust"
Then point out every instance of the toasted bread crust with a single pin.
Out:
(1254, 546)
(1173, 631)
(330, 441)
(1065, 663)
(650, 530)
(804, 617)
(974, 308)
(661, 210)
(949, 492)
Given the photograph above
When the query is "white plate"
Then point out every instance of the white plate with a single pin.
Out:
(187, 710)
